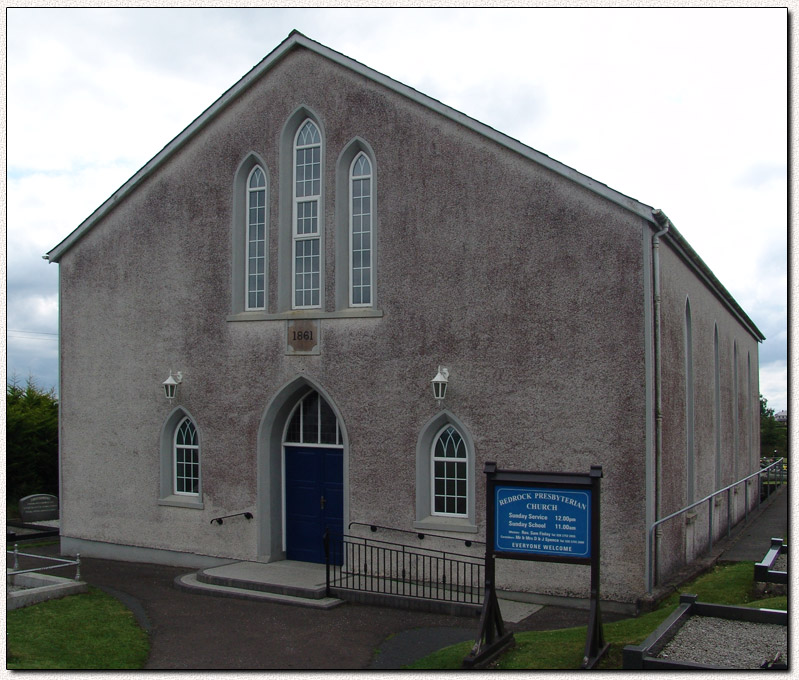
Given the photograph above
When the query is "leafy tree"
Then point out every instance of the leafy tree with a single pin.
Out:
(773, 436)
(31, 440)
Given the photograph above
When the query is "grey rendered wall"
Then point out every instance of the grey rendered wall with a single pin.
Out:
(528, 288)
(726, 434)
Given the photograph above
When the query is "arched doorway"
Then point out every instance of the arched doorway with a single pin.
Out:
(275, 434)
(313, 472)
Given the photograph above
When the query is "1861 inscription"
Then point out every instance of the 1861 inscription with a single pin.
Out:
(302, 336)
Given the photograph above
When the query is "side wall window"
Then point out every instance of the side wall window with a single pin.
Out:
(181, 478)
(689, 405)
(445, 484)
(717, 403)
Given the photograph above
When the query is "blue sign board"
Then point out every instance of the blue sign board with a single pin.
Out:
(542, 521)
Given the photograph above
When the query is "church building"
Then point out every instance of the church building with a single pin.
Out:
(252, 328)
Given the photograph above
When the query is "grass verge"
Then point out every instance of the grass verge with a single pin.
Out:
(79, 632)
(563, 649)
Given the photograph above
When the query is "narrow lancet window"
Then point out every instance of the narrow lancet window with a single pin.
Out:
(361, 232)
(256, 239)
(306, 233)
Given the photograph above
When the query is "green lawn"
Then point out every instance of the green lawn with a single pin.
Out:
(563, 649)
(78, 632)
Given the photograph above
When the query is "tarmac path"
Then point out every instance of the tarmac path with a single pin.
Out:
(204, 632)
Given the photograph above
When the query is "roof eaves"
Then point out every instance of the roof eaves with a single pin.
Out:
(691, 257)
(179, 141)
(295, 39)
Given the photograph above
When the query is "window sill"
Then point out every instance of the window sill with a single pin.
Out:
(352, 313)
(181, 502)
(454, 524)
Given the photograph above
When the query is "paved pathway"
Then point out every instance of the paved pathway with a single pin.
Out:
(752, 543)
(191, 631)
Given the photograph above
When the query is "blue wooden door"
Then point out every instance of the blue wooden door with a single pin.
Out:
(314, 500)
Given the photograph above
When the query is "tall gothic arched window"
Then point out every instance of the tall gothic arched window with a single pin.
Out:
(307, 259)
(361, 207)
(256, 240)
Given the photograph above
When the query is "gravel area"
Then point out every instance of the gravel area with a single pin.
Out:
(781, 563)
(727, 644)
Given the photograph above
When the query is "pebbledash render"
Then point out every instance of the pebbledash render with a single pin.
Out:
(306, 254)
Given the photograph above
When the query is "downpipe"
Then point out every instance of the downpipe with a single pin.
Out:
(665, 224)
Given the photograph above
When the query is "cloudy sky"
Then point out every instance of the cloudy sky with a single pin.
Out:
(682, 109)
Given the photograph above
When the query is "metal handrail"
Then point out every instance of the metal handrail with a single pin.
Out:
(366, 541)
(218, 520)
(63, 563)
(650, 538)
(419, 534)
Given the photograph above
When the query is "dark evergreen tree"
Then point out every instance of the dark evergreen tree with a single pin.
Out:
(31, 441)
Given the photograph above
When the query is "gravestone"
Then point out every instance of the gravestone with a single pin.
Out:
(38, 507)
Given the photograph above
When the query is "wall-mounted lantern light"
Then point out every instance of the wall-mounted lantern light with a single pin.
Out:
(171, 384)
(440, 385)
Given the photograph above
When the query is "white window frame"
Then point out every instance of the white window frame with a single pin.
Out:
(299, 409)
(313, 199)
(248, 241)
(195, 447)
(370, 251)
(461, 460)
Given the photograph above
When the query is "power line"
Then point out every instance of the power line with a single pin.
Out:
(47, 336)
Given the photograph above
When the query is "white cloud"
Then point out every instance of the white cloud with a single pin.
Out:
(685, 110)
(773, 384)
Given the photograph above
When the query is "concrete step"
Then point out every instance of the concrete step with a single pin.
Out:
(294, 579)
(191, 583)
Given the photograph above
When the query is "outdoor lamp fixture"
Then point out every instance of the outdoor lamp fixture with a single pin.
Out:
(171, 384)
(440, 385)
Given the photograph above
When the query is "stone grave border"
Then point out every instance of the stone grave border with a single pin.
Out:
(644, 656)
(40, 587)
(764, 570)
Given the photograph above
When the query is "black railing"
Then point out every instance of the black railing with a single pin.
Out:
(419, 534)
(218, 520)
(375, 566)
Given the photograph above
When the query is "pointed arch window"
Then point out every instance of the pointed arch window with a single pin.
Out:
(313, 422)
(181, 477)
(307, 269)
(445, 484)
(186, 459)
(717, 402)
(256, 239)
(449, 474)
(361, 231)
(689, 405)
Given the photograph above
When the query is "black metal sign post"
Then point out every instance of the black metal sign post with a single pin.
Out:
(545, 517)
